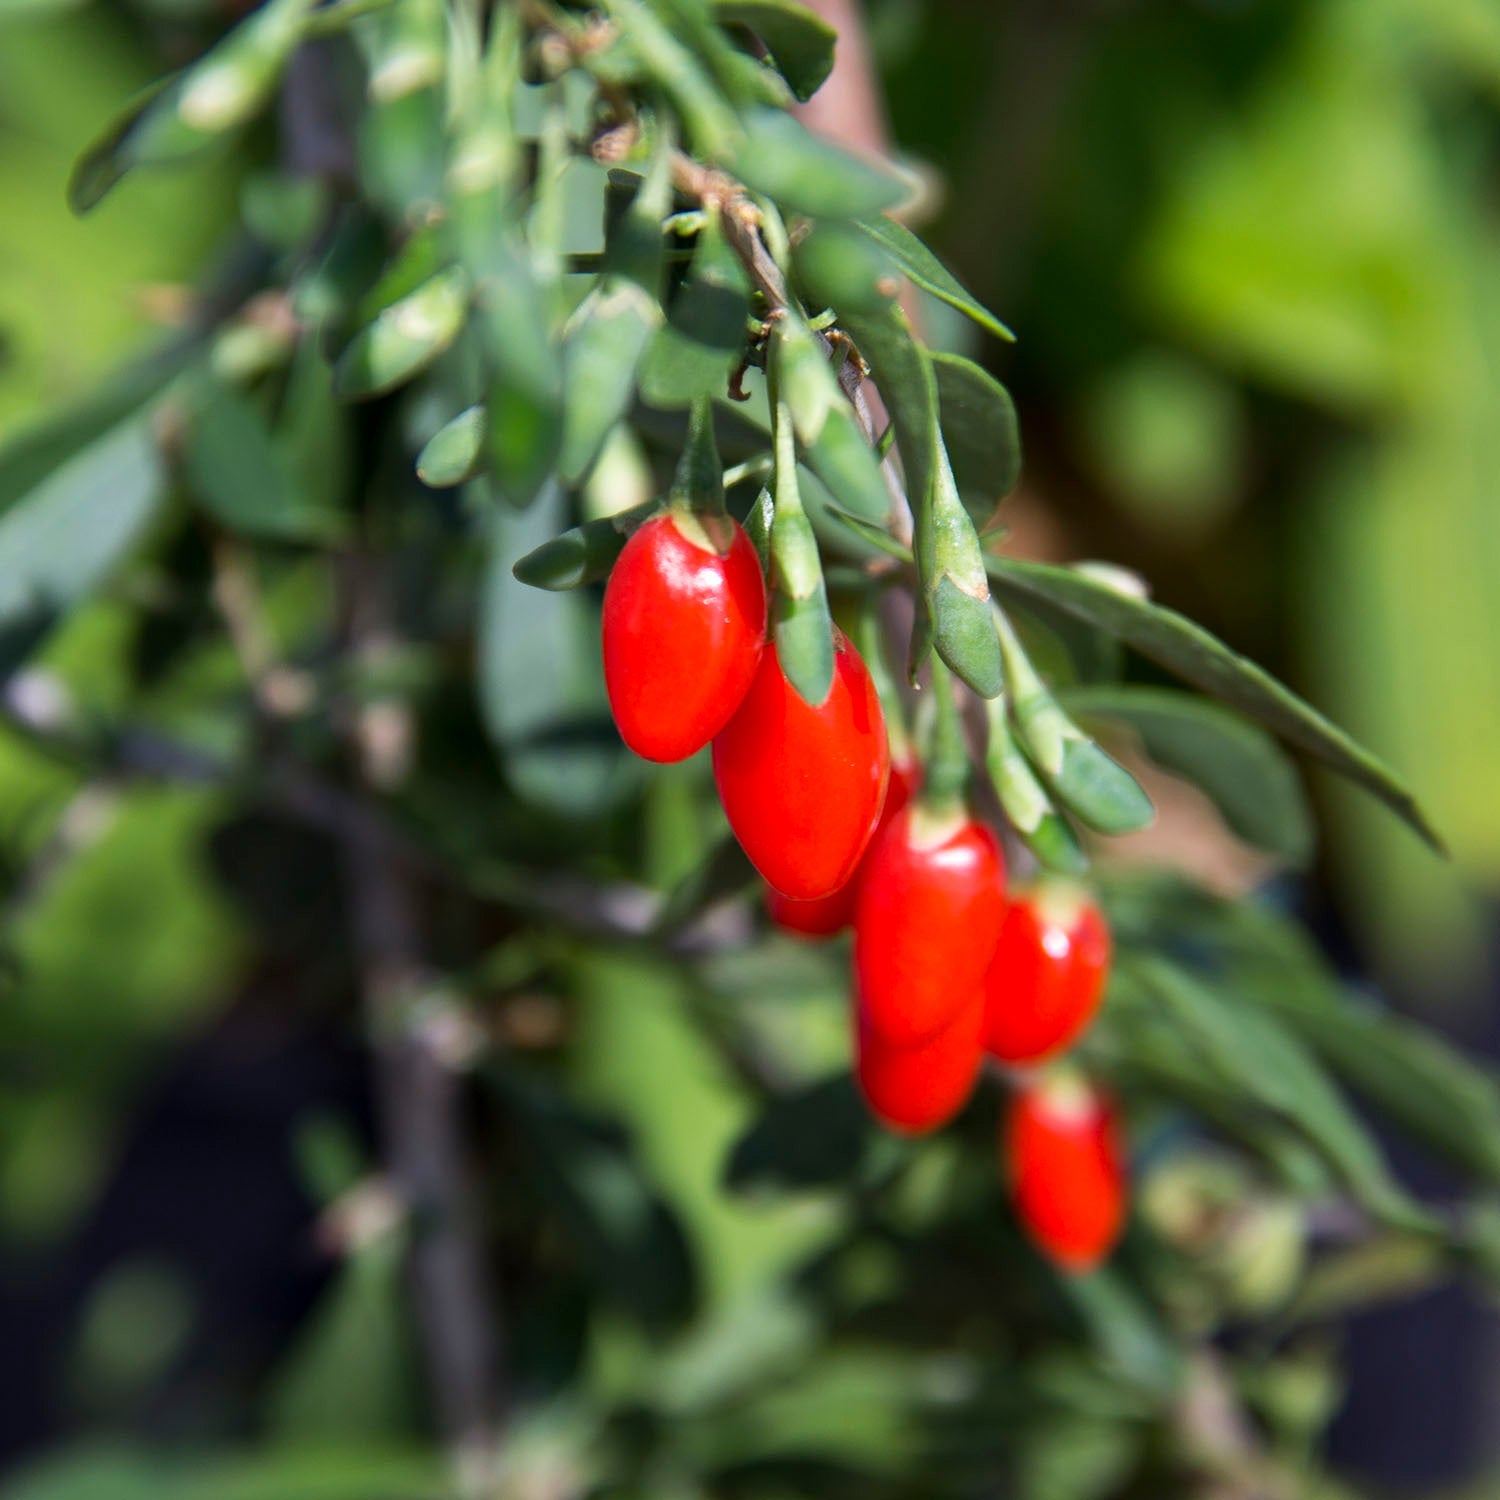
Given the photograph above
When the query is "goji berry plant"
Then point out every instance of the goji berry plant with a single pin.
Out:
(831, 1113)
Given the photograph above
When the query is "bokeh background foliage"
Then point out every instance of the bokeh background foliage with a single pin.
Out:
(1249, 249)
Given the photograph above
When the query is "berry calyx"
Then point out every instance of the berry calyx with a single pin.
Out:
(803, 784)
(684, 629)
(931, 903)
(1063, 1156)
(1045, 982)
(830, 914)
(915, 1090)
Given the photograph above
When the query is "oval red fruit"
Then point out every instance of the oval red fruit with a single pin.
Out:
(917, 1089)
(1047, 977)
(684, 626)
(931, 901)
(1066, 1167)
(830, 914)
(803, 786)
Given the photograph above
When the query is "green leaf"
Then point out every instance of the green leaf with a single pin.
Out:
(602, 351)
(183, 114)
(868, 531)
(704, 337)
(455, 452)
(404, 339)
(1090, 784)
(911, 396)
(846, 463)
(582, 554)
(526, 395)
(1252, 1052)
(1409, 1074)
(841, 268)
(1098, 790)
(801, 41)
(60, 540)
(812, 1137)
(1190, 652)
(780, 157)
(541, 687)
(929, 273)
(1238, 765)
(1037, 823)
(980, 432)
(243, 479)
(1128, 1332)
(29, 457)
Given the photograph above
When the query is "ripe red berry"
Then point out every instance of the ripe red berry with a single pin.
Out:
(684, 626)
(803, 786)
(1066, 1168)
(829, 914)
(917, 1089)
(931, 901)
(1047, 977)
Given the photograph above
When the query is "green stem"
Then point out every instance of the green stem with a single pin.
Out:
(947, 772)
(698, 484)
(871, 642)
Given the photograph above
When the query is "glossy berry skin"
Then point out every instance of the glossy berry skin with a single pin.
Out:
(1066, 1168)
(684, 628)
(830, 914)
(931, 903)
(915, 1090)
(803, 786)
(1048, 974)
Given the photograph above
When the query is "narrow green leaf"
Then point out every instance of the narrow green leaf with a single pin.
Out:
(954, 606)
(541, 688)
(709, 118)
(1099, 791)
(236, 471)
(909, 391)
(929, 273)
(742, 80)
(60, 540)
(847, 465)
(404, 339)
(583, 554)
(841, 268)
(602, 350)
(980, 432)
(1238, 765)
(1038, 824)
(1252, 1052)
(801, 623)
(187, 112)
(1415, 1079)
(1410, 1075)
(525, 398)
(1095, 788)
(704, 336)
(455, 452)
(29, 457)
(868, 531)
(1189, 651)
(778, 156)
(801, 41)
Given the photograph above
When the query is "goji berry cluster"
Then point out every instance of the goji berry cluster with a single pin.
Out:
(949, 965)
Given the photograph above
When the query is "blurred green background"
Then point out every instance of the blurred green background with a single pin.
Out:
(1252, 252)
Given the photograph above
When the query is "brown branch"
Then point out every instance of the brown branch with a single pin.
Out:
(418, 1091)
